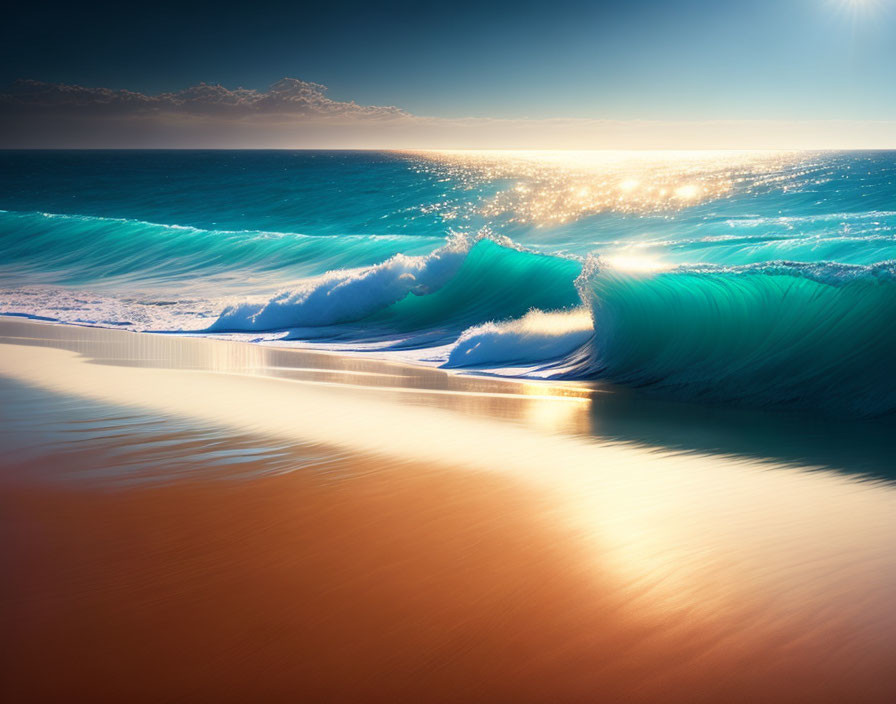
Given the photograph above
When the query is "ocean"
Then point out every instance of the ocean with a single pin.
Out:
(756, 279)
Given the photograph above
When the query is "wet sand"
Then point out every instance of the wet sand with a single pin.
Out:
(195, 520)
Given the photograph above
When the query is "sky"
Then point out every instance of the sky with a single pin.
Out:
(562, 74)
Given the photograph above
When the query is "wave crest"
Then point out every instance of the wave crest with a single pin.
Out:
(81, 250)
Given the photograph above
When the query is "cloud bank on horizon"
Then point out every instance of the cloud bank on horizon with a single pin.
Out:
(288, 97)
(294, 113)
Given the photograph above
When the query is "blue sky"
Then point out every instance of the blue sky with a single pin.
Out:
(567, 74)
(644, 59)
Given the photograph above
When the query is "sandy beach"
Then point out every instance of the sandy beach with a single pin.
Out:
(203, 520)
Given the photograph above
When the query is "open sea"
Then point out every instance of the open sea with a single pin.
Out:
(757, 279)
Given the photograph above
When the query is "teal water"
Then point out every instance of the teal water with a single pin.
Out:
(741, 278)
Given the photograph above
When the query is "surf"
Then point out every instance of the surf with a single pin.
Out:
(468, 281)
(779, 333)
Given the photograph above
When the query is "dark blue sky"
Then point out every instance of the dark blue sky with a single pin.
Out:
(678, 59)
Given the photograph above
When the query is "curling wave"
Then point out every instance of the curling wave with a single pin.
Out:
(781, 333)
(467, 282)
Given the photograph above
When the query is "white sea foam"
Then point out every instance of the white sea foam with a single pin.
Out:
(81, 307)
(536, 337)
(349, 294)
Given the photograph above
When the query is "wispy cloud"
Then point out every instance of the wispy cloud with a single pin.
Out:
(294, 113)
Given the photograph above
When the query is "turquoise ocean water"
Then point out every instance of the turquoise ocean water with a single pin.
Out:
(758, 279)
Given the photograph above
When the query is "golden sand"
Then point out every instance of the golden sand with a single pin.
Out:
(465, 545)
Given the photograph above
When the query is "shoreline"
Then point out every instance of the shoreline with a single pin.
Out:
(402, 533)
(617, 414)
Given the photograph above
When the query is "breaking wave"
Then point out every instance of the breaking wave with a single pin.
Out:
(467, 282)
(779, 333)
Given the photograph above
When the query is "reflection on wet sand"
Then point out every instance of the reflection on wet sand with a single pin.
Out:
(378, 544)
(852, 446)
(416, 385)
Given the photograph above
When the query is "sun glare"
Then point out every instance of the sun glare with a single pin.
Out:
(687, 192)
(553, 187)
(636, 263)
(857, 7)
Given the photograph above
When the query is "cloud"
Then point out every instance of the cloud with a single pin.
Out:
(295, 114)
(289, 97)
